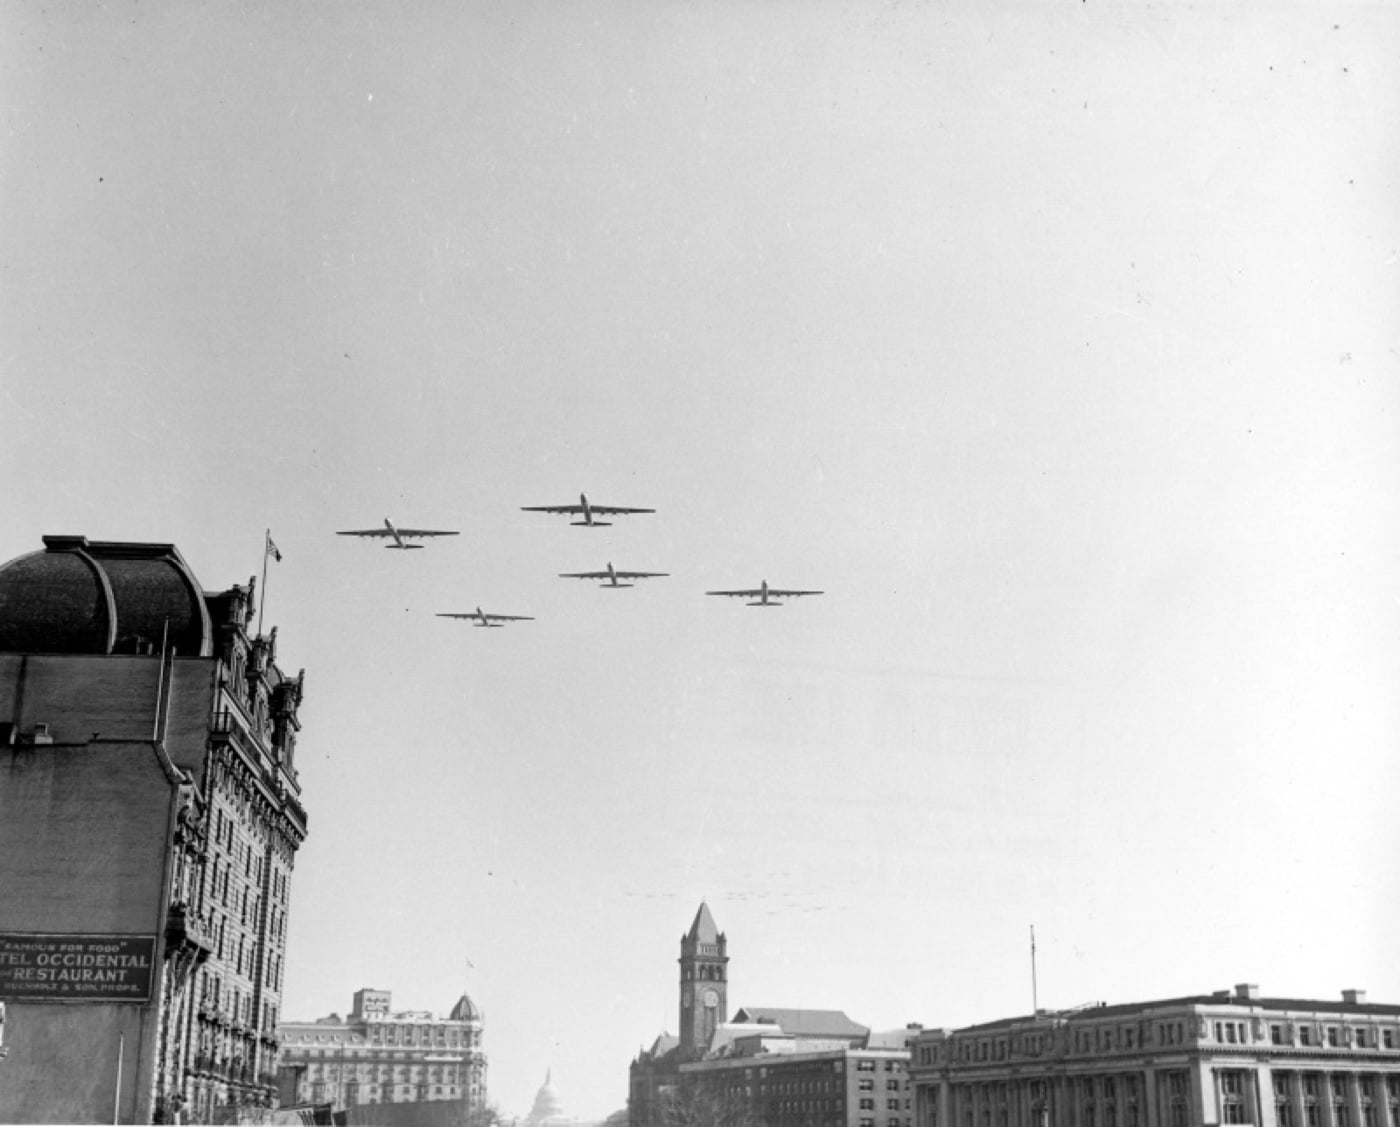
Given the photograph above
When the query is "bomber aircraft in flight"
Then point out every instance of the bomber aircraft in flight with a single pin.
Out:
(479, 617)
(767, 596)
(612, 575)
(585, 510)
(399, 534)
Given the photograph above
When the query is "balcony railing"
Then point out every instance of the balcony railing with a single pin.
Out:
(185, 928)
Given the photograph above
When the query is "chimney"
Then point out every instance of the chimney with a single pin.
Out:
(1354, 997)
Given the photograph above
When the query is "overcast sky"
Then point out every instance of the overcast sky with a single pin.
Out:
(1058, 343)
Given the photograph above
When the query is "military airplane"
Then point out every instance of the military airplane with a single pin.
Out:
(765, 595)
(587, 511)
(611, 576)
(479, 617)
(399, 534)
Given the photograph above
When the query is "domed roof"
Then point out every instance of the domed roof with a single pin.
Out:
(547, 1105)
(99, 597)
(465, 1010)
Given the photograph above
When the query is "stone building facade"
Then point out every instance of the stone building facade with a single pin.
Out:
(377, 1056)
(769, 1066)
(150, 815)
(1225, 1058)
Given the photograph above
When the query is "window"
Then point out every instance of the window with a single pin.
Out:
(867, 1085)
(1332, 1036)
(1276, 1034)
(1305, 1035)
(1388, 1038)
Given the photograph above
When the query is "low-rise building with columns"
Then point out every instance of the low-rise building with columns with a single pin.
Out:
(1227, 1058)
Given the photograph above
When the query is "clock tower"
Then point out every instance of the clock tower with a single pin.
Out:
(704, 985)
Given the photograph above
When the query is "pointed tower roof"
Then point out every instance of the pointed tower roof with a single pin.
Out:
(703, 930)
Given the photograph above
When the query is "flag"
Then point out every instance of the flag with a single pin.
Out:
(272, 549)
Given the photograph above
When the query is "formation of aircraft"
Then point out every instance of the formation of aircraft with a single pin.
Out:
(587, 511)
(612, 575)
(767, 596)
(479, 617)
(761, 596)
(399, 534)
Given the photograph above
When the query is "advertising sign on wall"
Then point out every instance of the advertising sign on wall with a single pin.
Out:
(76, 968)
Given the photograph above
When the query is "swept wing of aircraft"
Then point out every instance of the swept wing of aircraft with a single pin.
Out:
(479, 617)
(612, 575)
(588, 511)
(399, 534)
(767, 596)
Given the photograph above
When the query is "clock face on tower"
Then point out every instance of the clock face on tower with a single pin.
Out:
(710, 998)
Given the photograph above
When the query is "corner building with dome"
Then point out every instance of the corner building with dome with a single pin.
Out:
(150, 817)
(371, 1063)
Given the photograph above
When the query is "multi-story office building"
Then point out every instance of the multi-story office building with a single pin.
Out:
(781, 1080)
(771, 1066)
(376, 1056)
(150, 816)
(1229, 1057)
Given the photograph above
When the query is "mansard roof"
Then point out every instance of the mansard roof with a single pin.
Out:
(802, 1023)
(664, 1047)
(101, 597)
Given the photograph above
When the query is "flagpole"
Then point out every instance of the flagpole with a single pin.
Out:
(117, 1094)
(267, 544)
(1035, 994)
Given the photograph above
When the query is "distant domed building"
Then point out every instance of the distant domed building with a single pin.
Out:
(547, 1107)
(548, 1110)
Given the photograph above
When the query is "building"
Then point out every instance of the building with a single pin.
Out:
(1229, 1057)
(548, 1108)
(150, 816)
(775, 1066)
(376, 1056)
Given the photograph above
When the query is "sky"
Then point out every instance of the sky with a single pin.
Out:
(1057, 343)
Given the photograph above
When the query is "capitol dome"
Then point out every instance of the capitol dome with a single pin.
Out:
(102, 597)
(547, 1107)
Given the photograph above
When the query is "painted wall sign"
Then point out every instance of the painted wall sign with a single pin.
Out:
(76, 968)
